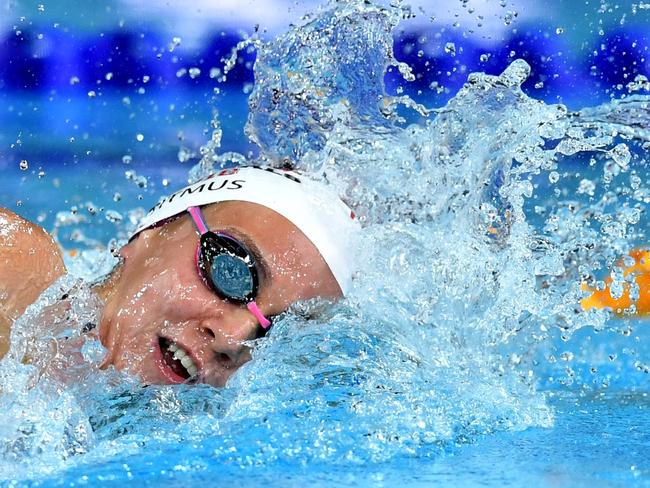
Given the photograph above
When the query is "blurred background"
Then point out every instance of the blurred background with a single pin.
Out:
(108, 102)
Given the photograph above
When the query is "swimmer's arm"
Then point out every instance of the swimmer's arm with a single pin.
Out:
(30, 261)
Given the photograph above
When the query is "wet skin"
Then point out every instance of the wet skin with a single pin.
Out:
(158, 293)
(30, 261)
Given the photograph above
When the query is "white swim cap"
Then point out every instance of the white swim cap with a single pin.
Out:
(309, 205)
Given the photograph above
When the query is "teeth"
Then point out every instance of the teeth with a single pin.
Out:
(181, 355)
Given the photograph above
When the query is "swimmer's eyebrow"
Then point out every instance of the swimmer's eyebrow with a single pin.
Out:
(255, 251)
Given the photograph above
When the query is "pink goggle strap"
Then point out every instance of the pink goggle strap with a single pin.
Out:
(255, 310)
(199, 221)
(197, 217)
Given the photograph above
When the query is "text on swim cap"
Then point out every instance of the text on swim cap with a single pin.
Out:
(226, 184)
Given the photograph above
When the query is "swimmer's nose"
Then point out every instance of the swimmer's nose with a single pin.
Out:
(228, 337)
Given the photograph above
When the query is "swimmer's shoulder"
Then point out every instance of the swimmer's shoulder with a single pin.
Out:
(30, 261)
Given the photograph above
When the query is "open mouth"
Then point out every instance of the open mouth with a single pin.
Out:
(177, 359)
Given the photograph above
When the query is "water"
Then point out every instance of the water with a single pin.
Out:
(460, 357)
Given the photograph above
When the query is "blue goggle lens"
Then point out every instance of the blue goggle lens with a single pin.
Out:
(231, 277)
(228, 267)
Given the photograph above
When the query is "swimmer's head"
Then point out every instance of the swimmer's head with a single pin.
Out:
(311, 206)
(295, 233)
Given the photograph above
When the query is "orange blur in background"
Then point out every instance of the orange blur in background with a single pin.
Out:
(641, 271)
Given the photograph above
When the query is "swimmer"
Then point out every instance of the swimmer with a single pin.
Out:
(206, 271)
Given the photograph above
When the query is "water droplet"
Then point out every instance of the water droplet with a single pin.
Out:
(127, 159)
(553, 177)
(559, 30)
(587, 187)
(621, 155)
(114, 216)
(139, 137)
(450, 48)
(184, 155)
(616, 290)
(509, 17)
(566, 356)
(515, 74)
(176, 41)
(24, 165)
(194, 73)
(640, 82)
(139, 180)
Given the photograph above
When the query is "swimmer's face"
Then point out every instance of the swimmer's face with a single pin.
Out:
(160, 299)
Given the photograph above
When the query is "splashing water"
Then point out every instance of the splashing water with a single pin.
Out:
(478, 230)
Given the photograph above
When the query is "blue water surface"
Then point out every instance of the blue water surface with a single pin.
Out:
(599, 439)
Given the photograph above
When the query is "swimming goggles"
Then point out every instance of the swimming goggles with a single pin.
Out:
(227, 267)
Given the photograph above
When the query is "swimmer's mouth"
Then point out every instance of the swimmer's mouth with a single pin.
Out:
(178, 360)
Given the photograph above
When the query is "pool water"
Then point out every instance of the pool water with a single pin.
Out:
(598, 439)
(461, 357)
